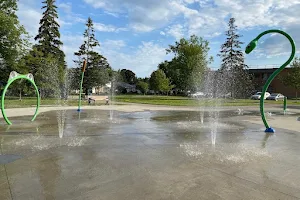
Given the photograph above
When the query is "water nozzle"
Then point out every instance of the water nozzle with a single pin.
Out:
(251, 46)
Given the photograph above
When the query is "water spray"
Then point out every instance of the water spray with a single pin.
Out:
(80, 91)
(284, 105)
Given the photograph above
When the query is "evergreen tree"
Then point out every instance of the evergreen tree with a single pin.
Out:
(97, 67)
(45, 70)
(233, 74)
(48, 38)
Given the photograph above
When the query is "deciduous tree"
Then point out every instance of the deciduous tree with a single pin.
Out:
(292, 78)
(142, 86)
(190, 61)
(13, 39)
(159, 82)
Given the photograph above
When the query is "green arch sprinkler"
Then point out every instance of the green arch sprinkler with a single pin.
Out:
(15, 76)
(248, 50)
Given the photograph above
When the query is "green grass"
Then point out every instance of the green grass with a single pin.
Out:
(13, 102)
(186, 101)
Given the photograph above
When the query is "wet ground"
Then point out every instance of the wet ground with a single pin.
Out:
(147, 155)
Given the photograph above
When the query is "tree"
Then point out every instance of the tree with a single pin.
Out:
(292, 78)
(13, 39)
(128, 76)
(97, 68)
(233, 74)
(142, 86)
(190, 61)
(48, 38)
(159, 82)
(45, 70)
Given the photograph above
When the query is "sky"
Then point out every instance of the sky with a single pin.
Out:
(134, 34)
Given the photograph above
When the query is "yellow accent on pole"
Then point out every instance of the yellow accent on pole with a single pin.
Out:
(84, 66)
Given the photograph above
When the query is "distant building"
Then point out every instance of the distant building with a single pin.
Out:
(102, 89)
(125, 87)
(120, 87)
(261, 75)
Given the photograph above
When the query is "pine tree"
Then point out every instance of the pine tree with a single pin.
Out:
(97, 67)
(233, 74)
(48, 37)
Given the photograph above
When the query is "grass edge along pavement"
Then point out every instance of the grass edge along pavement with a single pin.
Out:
(187, 101)
(144, 99)
(31, 102)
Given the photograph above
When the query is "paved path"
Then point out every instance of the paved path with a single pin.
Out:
(137, 157)
(14, 112)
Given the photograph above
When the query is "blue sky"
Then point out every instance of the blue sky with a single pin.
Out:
(135, 33)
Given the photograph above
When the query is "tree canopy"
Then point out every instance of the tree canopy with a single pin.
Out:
(190, 61)
(128, 76)
(292, 78)
(159, 82)
(13, 38)
(142, 86)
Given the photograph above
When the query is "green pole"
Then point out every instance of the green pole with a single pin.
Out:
(81, 82)
(28, 77)
(284, 104)
(250, 47)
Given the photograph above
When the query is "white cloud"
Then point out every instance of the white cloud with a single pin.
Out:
(69, 17)
(139, 27)
(112, 14)
(142, 60)
(162, 33)
(108, 28)
(71, 44)
(30, 18)
(113, 44)
(177, 31)
(144, 16)
(67, 7)
(208, 20)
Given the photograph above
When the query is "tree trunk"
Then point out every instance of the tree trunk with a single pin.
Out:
(20, 95)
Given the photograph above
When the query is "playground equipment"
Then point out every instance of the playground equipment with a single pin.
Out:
(82, 75)
(15, 76)
(250, 47)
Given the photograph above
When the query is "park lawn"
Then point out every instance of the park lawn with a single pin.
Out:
(187, 101)
(31, 102)
(145, 99)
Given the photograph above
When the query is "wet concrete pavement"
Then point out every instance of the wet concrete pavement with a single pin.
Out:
(147, 155)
